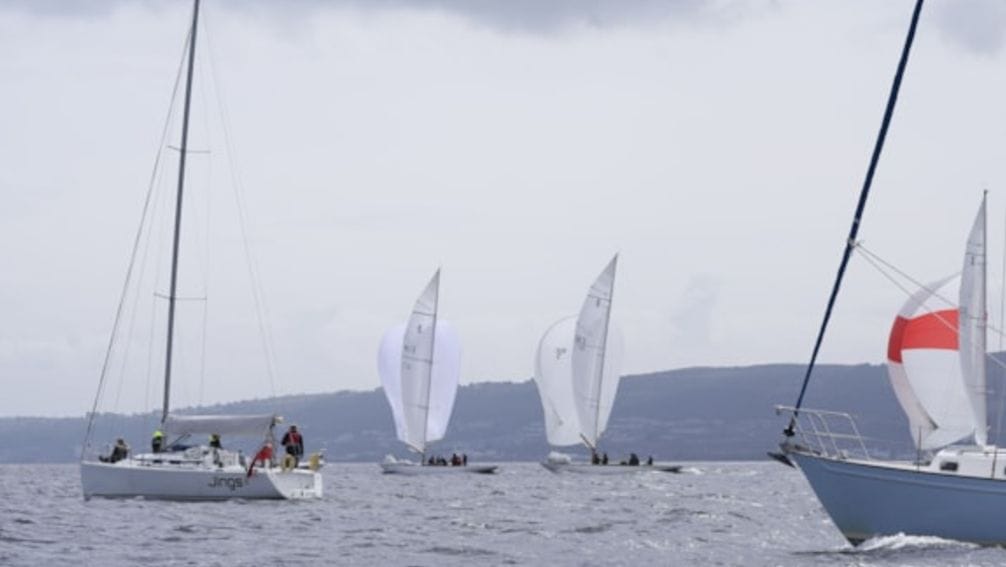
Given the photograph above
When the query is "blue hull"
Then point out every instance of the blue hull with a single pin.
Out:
(866, 500)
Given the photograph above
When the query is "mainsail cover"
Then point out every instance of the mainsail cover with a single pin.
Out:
(233, 425)
(420, 366)
(595, 366)
(972, 324)
(553, 374)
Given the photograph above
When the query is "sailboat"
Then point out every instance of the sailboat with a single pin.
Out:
(936, 364)
(420, 365)
(182, 470)
(577, 368)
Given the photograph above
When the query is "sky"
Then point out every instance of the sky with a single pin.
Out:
(718, 147)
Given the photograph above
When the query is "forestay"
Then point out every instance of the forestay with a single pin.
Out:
(250, 425)
(595, 364)
(420, 366)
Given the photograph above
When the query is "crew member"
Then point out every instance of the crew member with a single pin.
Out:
(264, 456)
(294, 443)
(215, 441)
(157, 441)
(119, 452)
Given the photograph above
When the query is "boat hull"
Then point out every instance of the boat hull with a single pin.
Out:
(599, 470)
(129, 480)
(413, 469)
(869, 499)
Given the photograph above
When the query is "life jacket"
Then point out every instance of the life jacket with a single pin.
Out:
(294, 438)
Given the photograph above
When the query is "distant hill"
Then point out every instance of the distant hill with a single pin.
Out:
(686, 414)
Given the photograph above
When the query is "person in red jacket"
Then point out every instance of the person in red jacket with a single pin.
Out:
(264, 454)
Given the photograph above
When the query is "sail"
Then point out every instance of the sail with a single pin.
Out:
(553, 374)
(389, 367)
(420, 366)
(972, 324)
(924, 367)
(595, 371)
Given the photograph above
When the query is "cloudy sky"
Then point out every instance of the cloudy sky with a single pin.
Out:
(717, 146)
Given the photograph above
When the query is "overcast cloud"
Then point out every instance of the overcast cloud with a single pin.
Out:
(717, 146)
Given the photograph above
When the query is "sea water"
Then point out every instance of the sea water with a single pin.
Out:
(758, 513)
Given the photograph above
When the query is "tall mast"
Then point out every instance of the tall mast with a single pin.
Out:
(604, 351)
(178, 213)
(983, 316)
(850, 241)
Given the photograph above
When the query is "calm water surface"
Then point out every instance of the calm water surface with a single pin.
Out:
(718, 514)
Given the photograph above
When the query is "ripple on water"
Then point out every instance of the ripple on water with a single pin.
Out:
(525, 517)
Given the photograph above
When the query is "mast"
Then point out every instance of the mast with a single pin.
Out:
(983, 316)
(178, 214)
(850, 241)
(604, 351)
(429, 369)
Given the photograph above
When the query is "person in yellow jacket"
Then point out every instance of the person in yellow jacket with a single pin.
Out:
(157, 441)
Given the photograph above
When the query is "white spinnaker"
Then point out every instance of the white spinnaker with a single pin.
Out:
(553, 374)
(973, 324)
(924, 368)
(420, 368)
(389, 366)
(595, 363)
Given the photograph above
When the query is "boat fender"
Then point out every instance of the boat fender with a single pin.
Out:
(314, 462)
(289, 462)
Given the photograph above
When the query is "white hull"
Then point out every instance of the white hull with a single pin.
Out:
(413, 469)
(128, 479)
(612, 469)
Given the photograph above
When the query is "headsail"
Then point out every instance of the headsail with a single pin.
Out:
(420, 366)
(595, 370)
(924, 367)
(553, 374)
(972, 324)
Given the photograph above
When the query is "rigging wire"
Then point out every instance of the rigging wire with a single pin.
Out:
(132, 263)
(207, 241)
(880, 264)
(237, 186)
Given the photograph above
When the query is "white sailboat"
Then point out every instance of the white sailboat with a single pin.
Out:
(420, 366)
(577, 368)
(181, 471)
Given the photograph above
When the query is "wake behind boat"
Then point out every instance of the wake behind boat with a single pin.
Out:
(175, 469)
(577, 372)
(420, 366)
